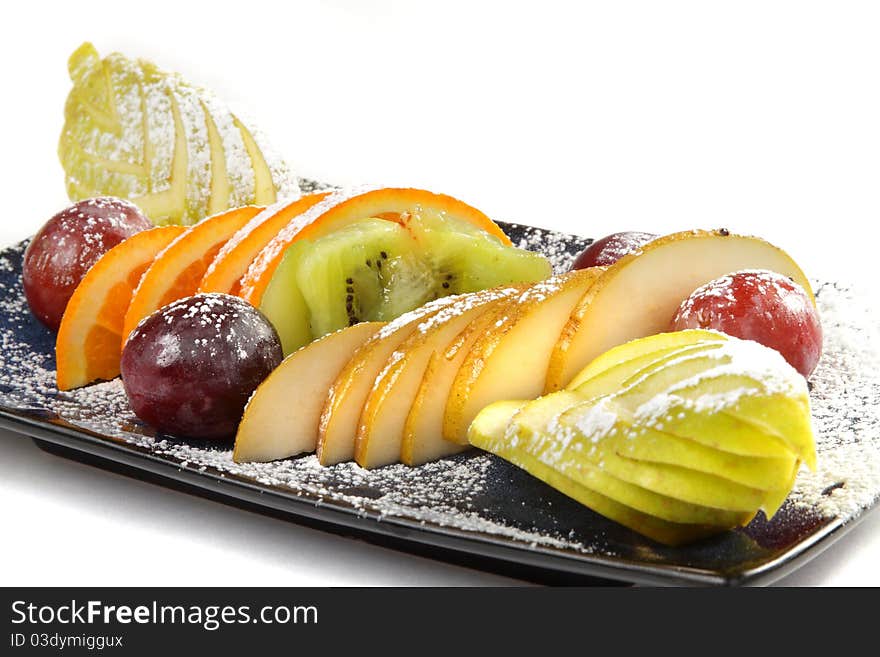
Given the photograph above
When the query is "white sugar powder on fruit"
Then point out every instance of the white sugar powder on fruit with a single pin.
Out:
(758, 368)
(457, 492)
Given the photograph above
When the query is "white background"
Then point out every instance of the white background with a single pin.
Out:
(763, 117)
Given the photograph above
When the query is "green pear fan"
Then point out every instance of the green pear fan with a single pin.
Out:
(174, 149)
(695, 440)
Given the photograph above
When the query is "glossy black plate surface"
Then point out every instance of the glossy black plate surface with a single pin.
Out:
(476, 504)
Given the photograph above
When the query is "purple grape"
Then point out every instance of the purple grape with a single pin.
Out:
(68, 245)
(610, 249)
(190, 367)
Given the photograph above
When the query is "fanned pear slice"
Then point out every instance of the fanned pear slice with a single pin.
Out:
(741, 382)
(381, 427)
(509, 361)
(656, 446)
(620, 442)
(135, 131)
(338, 425)
(577, 438)
(490, 432)
(423, 439)
(638, 295)
(681, 483)
(628, 352)
(781, 416)
(614, 378)
(631, 379)
(281, 418)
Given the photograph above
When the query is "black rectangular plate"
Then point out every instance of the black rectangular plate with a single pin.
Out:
(474, 503)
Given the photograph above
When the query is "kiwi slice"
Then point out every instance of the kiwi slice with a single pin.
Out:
(376, 270)
(345, 275)
(283, 303)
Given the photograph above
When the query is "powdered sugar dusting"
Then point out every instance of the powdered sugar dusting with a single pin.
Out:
(760, 369)
(474, 493)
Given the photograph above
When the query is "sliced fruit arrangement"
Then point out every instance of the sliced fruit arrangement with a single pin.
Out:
(174, 149)
(177, 271)
(341, 268)
(372, 255)
(381, 428)
(340, 416)
(413, 328)
(89, 341)
(226, 270)
(639, 294)
(411, 391)
(509, 360)
(652, 437)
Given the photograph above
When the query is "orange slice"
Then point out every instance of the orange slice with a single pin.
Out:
(231, 262)
(177, 271)
(89, 342)
(345, 207)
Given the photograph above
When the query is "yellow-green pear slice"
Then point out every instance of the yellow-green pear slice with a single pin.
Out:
(783, 416)
(591, 434)
(626, 372)
(741, 379)
(698, 488)
(638, 295)
(281, 418)
(535, 428)
(636, 352)
(720, 431)
(135, 131)
(489, 432)
(613, 379)
(655, 446)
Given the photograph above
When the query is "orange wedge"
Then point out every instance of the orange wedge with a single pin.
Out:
(345, 207)
(231, 262)
(178, 270)
(89, 342)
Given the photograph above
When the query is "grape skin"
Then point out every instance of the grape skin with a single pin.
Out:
(611, 248)
(762, 306)
(189, 368)
(68, 245)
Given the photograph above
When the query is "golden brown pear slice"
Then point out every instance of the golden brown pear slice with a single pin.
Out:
(380, 430)
(281, 418)
(338, 425)
(509, 360)
(638, 295)
(423, 430)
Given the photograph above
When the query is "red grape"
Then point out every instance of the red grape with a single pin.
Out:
(762, 306)
(190, 367)
(610, 249)
(66, 247)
